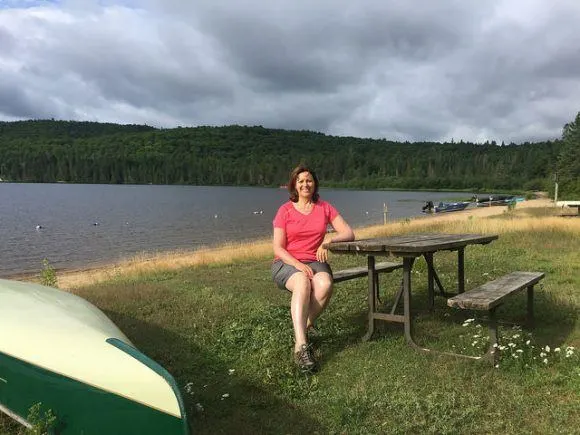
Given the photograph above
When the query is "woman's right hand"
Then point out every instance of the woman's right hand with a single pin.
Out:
(304, 268)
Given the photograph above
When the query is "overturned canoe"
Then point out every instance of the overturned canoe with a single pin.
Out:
(60, 351)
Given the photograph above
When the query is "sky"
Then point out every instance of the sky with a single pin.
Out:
(404, 70)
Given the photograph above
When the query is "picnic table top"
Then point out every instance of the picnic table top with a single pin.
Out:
(410, 243)
(568, 203)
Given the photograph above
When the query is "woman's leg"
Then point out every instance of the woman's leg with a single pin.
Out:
(319, 296)
(301, 289)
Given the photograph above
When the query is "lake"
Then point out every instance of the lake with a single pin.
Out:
(83, 226)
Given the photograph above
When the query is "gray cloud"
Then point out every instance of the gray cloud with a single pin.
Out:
(498, 70)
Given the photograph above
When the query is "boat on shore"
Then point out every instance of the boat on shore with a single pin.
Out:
(496, 200)
(444, 207)
(60, 352)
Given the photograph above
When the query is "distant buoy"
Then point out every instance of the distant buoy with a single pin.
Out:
(39, 227)
(95, 223)
(215, 216)
(258, 212)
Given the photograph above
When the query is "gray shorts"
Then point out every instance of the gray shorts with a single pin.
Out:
(281, 271)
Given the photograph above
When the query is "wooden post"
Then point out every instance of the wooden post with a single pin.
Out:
(385, 213)
(556, 192)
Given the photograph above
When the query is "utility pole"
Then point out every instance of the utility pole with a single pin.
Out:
(555, 188)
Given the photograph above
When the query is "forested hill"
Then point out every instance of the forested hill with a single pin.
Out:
(88, 152)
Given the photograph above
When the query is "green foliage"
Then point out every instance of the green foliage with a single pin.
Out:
(43, 423)
(569, 161)
(50, 151)
(48, 275)
(518, 349)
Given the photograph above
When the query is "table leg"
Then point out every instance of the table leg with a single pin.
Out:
(461, 270)
(371, 297)
(432, 276)
(430, 280)
(530, 316)
(407, 268)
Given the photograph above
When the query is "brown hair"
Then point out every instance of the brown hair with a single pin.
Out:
(292, 183)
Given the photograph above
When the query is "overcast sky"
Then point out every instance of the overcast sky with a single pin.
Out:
(397, 69)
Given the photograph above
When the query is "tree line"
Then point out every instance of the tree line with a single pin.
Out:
(90, 152)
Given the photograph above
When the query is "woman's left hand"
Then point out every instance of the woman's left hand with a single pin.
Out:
(322, 254)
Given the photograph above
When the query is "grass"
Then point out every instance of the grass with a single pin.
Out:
(220, 326)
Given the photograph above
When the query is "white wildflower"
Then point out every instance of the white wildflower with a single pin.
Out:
(542, 354)
(225, 396)
(545, 361)
(557, 349)
(231, 371)
(519, 351)
(199, 407)
(516, 336)
(528, 342)
(547, 348)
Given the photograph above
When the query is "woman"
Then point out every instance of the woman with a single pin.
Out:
(300, 260)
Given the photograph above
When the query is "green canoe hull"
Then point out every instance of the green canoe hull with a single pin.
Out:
(78, 408)
(61, 353)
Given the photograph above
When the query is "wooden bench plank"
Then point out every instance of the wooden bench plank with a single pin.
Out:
(358, 272)
(492, 294)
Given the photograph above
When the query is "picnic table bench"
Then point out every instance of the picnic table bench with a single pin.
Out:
(358, 272)
(489, 296)
(569, 204)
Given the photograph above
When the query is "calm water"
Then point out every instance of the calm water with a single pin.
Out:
(90, 225)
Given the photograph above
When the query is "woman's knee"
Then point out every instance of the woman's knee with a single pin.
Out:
(322, 283)
(298, 282)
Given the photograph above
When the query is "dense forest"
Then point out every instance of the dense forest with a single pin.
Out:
(89, 152)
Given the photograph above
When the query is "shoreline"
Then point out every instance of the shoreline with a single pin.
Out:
(68, 279)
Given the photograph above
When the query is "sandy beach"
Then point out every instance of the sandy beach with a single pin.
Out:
(259, 248)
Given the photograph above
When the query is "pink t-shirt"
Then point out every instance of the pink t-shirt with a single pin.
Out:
(304, 233)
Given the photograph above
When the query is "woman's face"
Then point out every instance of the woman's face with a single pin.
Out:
(305, 185)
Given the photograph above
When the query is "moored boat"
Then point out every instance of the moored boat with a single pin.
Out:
(495, 200)
(61, 353)
(442, 207)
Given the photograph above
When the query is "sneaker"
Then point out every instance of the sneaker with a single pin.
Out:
(304, 359)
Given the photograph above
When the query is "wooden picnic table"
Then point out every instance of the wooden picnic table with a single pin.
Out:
(409, 247)
(569, 204)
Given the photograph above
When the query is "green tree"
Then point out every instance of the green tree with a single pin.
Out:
(569, 161)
